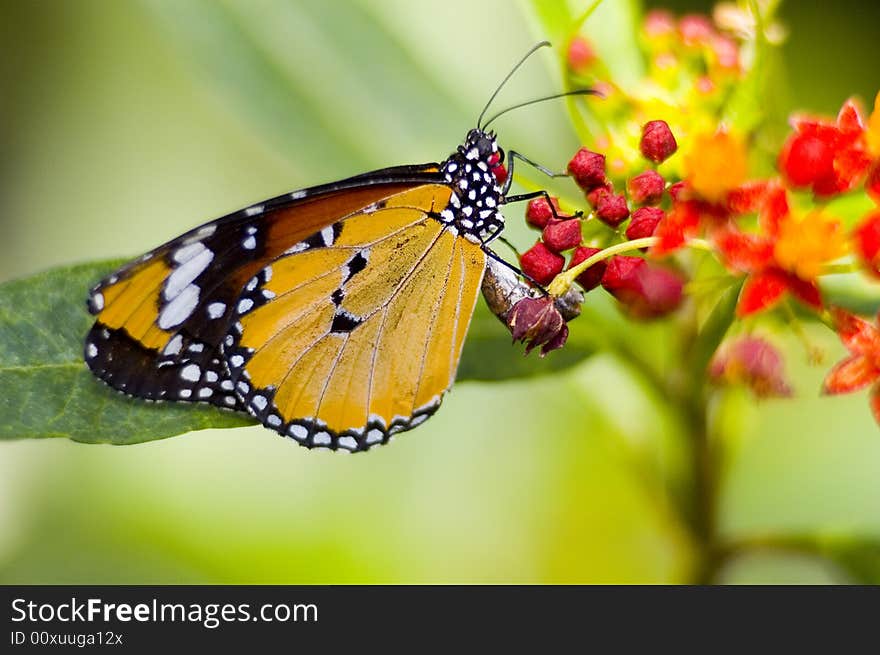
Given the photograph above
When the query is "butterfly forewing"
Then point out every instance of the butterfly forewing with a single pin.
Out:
(349, 340)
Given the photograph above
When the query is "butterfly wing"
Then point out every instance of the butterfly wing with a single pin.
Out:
(161, 318)
(345, 341)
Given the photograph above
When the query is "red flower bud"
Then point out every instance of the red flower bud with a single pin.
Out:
(806, 159)
(580, 54)
(612, 209)
(646, 188)
(659, 22)
(753, 362)
(596, 194)
(500, 173)
(867, 241)
(563, 234)
(644, 222)
(588, 169)
(591, 277)
(646, 291)
(658, 142)
(541, 264)
(538, 322)
(539, 213)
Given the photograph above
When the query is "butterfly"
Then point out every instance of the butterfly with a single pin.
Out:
(335, 315)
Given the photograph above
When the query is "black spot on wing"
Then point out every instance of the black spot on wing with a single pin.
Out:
(355, 265)
(344, 322)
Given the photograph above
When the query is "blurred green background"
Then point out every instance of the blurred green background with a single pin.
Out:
(125, 123)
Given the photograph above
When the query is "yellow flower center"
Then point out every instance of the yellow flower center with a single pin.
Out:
(806, 243)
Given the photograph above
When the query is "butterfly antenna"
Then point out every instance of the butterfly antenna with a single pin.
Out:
(534, 48)
(577, 92)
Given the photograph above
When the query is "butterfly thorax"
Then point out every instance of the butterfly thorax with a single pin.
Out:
(473, 209)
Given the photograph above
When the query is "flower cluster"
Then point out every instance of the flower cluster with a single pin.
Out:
(669, 168)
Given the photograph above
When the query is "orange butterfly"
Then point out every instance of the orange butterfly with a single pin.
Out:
(335, 315)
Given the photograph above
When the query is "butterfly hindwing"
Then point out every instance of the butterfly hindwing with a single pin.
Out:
(345, 342)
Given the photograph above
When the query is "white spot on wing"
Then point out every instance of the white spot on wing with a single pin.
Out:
(348, 442)
(250, 243)
(297, 431)
(179, 309)
(253, 211)
(191, 372)
(187, 272)
(98, 301)
(327, 236)
(91, 350)
(216, 309)
(185, 253)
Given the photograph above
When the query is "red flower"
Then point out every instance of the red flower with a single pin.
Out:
(785, 257)
(862, 367)
(829, 157)
(866, 238)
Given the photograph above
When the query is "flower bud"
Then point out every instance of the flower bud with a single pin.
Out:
(591, 277)
(657, 143)
(646, 291)
(644, 222)
(541, 264)
(539, 212)
(588, 169)
(562, 234)
(537, 322)
(581, 55)
(696, 30)
(612, 209)
(646, 188)
(753, 362)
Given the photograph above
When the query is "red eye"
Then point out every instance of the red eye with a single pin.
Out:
(494, 158)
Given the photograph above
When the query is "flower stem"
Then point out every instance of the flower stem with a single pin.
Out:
(562, 282)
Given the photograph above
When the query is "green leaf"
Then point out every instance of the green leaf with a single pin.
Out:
(489, 354)
(46, 389)
(713, 330)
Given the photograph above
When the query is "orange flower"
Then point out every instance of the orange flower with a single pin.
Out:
(715, 165)
(785, 257)
(804, 245)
